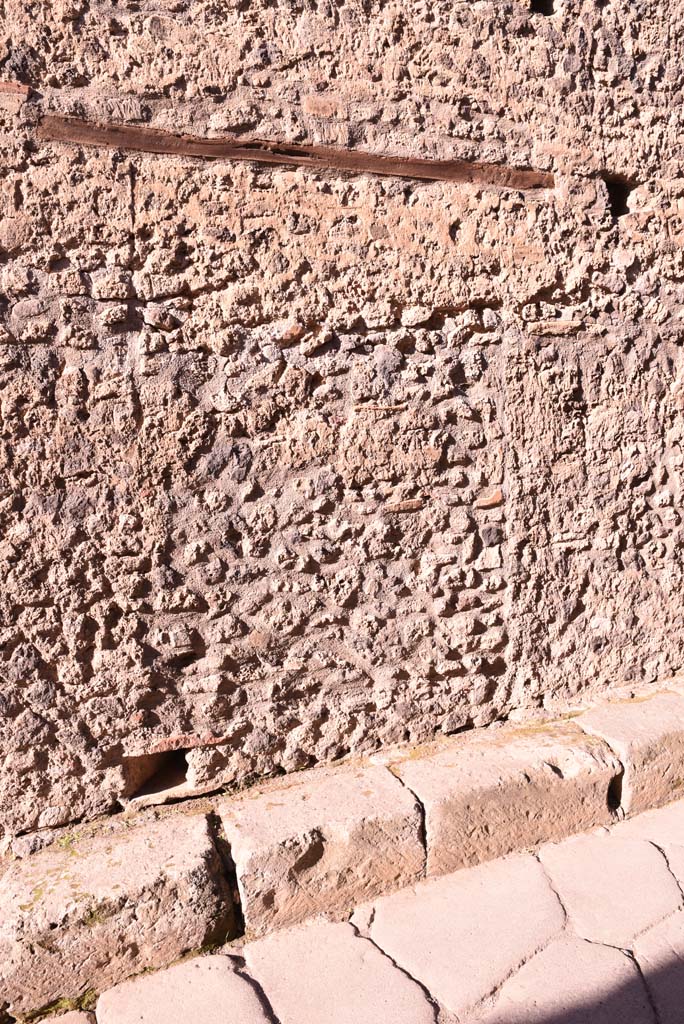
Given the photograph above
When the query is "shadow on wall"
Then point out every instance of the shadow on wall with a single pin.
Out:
(657, 998)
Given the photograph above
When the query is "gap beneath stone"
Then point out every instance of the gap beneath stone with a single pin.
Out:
(229, 870)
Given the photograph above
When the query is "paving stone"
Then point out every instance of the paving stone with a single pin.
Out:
(103, 908)
(322, 844)
(674, 855)
(665, 828)
(573, 982)
(461, 935)
(206, 990)
(324, 973)
(660, 955)
(74, 1017)
(647, 734)
(612, 889)
(488, 795)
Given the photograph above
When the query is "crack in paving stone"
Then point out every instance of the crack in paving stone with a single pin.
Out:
(60, 128)
(488, 1000)
(434, 1005)
(553, 889)
(651, 1001)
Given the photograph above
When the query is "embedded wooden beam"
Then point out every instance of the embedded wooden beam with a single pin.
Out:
(58, 128)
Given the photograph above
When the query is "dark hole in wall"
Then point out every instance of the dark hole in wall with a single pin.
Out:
(619, 190)
(542, 7)
(170, 770)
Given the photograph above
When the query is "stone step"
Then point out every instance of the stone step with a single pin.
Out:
(489, 793)
(647, 734)
(320, 842)
(589, 929)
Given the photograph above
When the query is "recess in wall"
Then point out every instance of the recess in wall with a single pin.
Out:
(542, 7)
(158, 775)
(619, 189)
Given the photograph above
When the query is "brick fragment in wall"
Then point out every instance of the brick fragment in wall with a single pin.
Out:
(293, 463)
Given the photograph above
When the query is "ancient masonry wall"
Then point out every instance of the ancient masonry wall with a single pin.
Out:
(300, 461)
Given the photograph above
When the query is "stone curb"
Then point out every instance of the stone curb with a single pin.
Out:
(316, 844)
(78, 917)
(320, 841)
(516, 788)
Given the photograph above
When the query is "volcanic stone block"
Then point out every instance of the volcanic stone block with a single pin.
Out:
(659, 953)
(321, 845)
(487, 795)
(348, 980)
(581, 867)
(86, 915)
(572, 980)
(648, 736)
(664, 828)
(206, 989)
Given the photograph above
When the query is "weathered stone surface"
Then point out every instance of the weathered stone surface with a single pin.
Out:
(99, 910)
(660, 955)
(486, 795)
(463, 934)
(207, 989)
(572, 981)
(321, 844)
(612, 889)
(324, 973)
(648, 736)
(296, 462)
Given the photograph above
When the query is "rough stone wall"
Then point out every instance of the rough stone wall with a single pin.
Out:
(296, 463)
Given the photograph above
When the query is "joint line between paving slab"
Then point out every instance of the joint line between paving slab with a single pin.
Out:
(422, 828)
(434, 1005)
(651, 1001)
(488, 999)
(242, 971)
